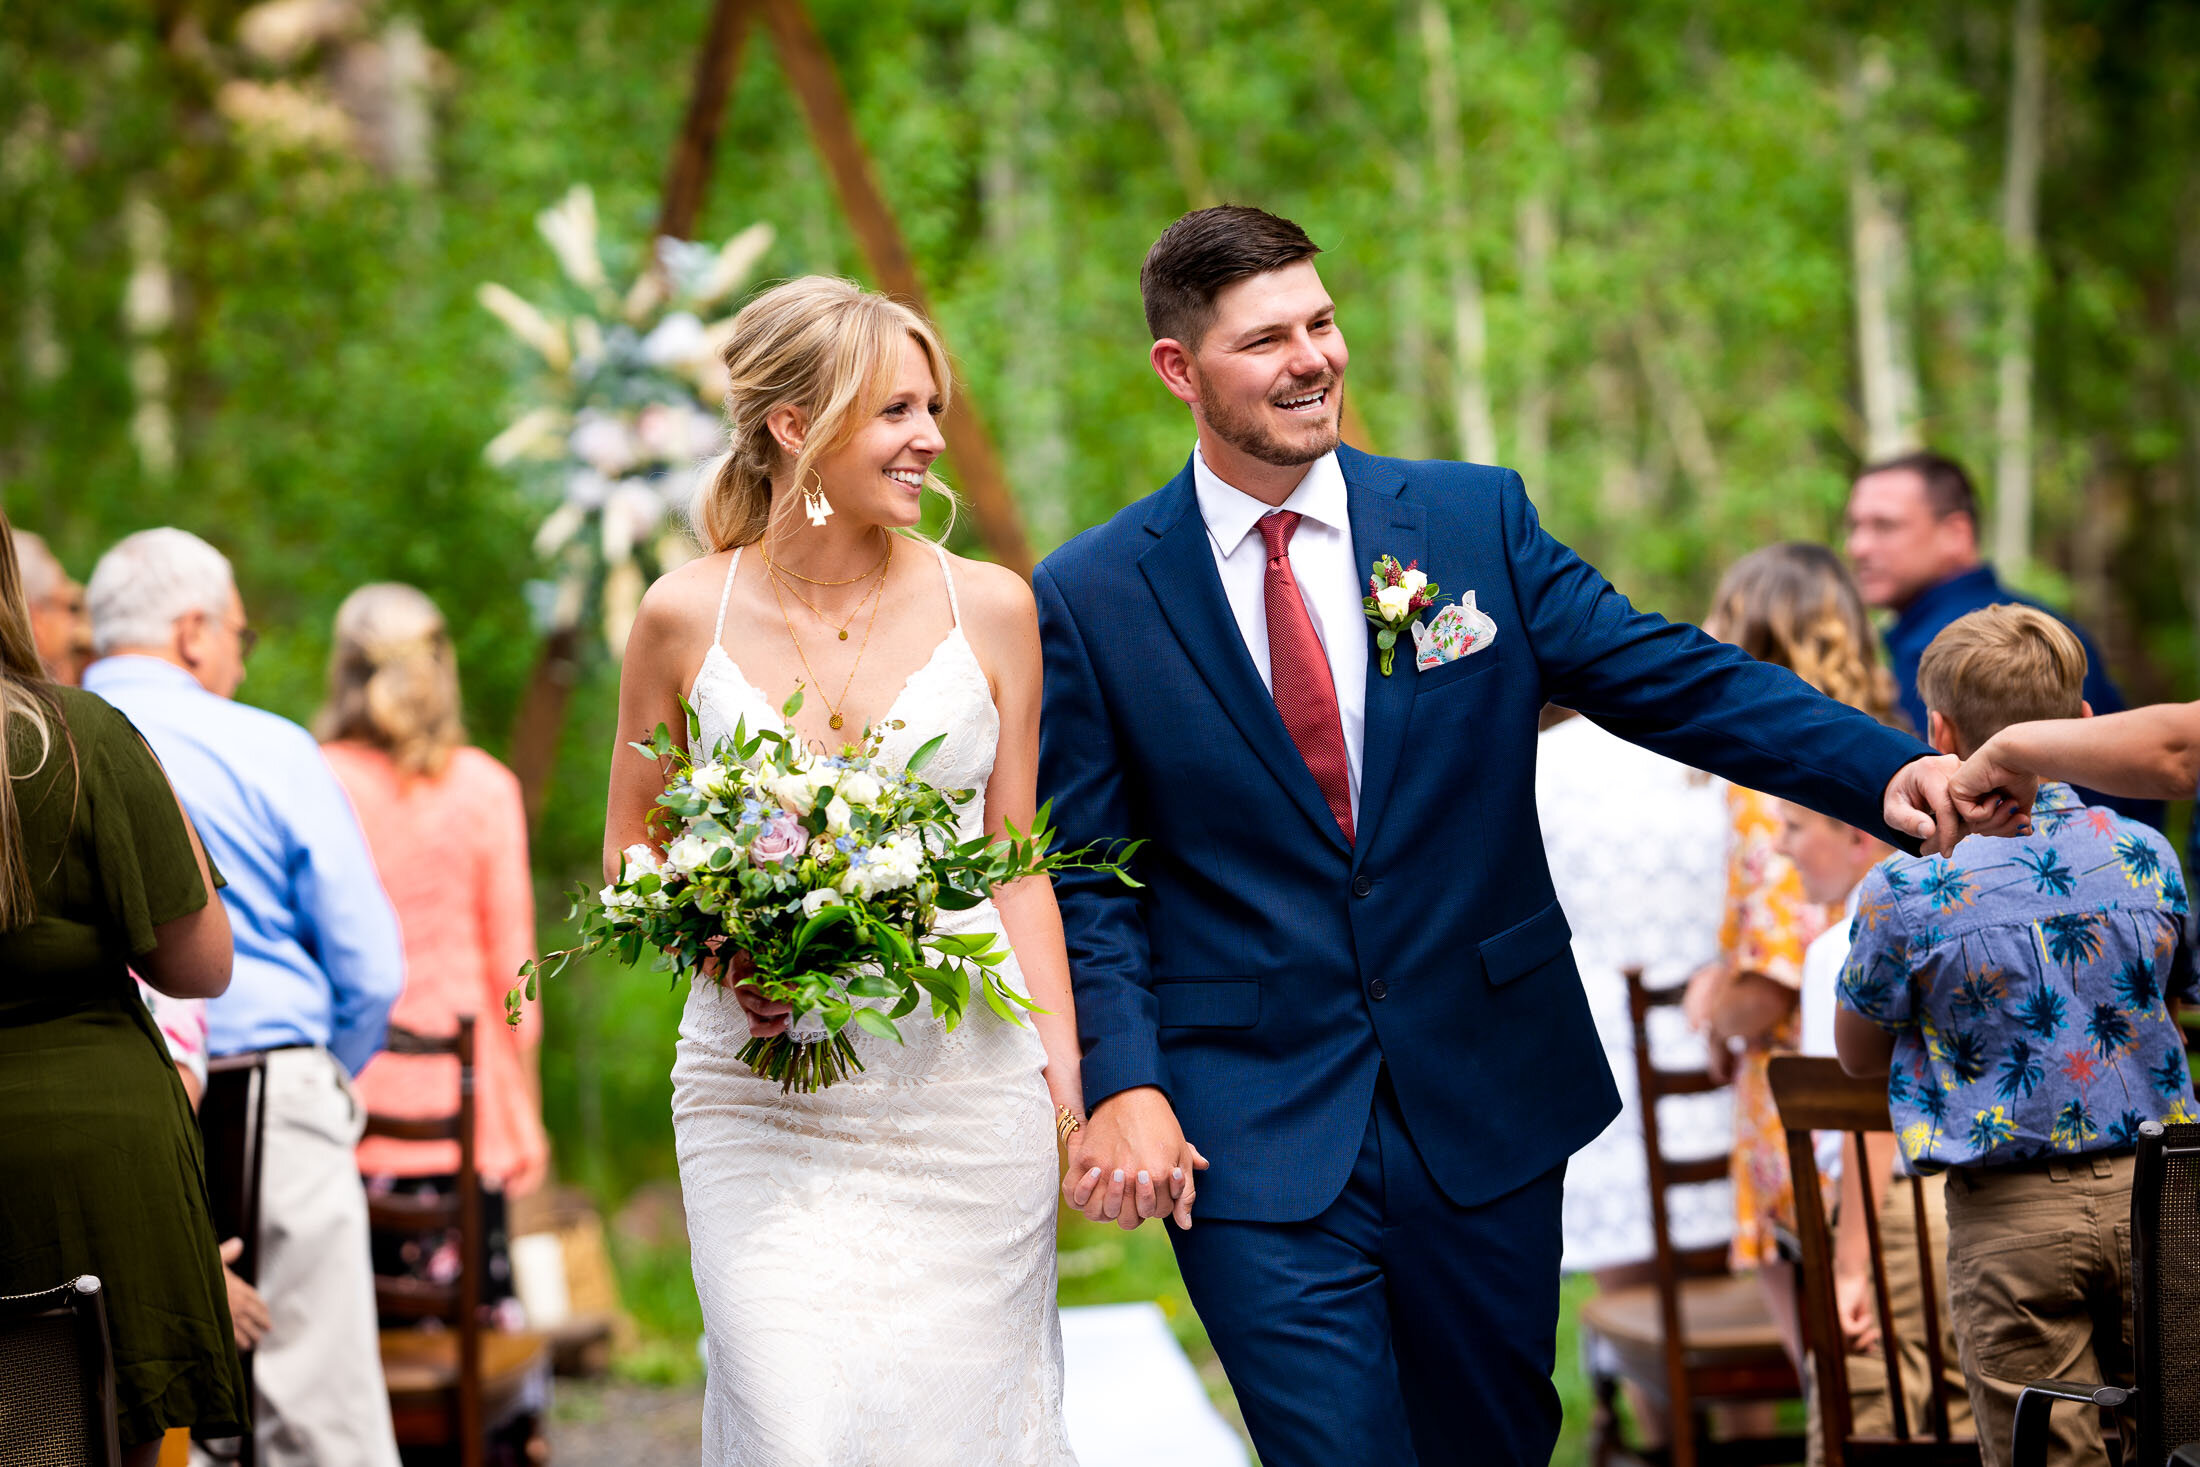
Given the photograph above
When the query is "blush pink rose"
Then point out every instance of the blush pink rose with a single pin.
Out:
(780, 841)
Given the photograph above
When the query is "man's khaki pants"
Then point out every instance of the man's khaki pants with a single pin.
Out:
(1869, 1403)
(319, 1396)
(2039, 1258)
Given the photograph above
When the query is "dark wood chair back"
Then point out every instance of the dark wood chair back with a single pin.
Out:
(233, 1131)
(458, 1303)
(57, 1378)
(1713, 1340)
(1815, 1094)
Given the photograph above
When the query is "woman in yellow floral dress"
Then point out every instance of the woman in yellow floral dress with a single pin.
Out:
(1794, 605)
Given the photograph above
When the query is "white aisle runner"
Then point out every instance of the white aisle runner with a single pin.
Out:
(1122, 1365)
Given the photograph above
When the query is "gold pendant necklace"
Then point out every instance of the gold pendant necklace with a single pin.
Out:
(832, 705)
(762, 550)
(815, 610)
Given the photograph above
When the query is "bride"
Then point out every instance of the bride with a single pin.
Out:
(875, 1261)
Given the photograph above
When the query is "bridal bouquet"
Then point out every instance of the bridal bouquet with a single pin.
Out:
(830, 873)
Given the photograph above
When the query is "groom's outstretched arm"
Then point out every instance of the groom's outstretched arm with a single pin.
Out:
(1081, 772)
(1670, 687)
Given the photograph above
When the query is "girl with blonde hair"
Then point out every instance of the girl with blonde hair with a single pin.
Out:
(1796, 606)
(448, 833)
(875, 1261)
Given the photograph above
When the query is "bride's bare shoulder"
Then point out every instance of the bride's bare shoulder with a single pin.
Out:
(679, 609)
(993, 595)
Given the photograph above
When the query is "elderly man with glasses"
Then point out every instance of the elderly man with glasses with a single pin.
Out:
(56, 603)
(319, 962)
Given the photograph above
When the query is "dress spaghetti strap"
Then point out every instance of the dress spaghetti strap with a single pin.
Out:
(718, 632)
(954, 608)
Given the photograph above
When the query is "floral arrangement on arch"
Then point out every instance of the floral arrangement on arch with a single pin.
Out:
(625, 412)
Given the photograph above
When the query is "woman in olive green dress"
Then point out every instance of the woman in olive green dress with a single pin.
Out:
(100, 1166)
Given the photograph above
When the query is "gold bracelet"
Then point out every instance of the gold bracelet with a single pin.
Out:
(1066, 1124)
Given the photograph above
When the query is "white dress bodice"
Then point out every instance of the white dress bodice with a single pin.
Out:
(876, 1261)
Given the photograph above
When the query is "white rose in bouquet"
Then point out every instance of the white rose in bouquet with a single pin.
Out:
(859, 787)
(690, 853)
(817, 901)
(641, 861)
(1411, 582)
(1396, 601)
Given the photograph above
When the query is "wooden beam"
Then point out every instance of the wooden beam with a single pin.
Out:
(716, 65)
(816, 82)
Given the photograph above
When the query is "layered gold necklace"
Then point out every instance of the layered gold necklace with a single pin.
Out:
(873, 597)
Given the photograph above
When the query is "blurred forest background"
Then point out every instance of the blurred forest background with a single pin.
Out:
(1684, 263)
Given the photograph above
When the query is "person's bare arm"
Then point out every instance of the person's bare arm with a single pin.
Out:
(660, 651)
(2144, 753)
(192, 954)
(1852, 1256)
(1006, 621)
(1865, 1048)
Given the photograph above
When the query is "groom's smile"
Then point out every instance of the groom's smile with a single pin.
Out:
(1265, 380)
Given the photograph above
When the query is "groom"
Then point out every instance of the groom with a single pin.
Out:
(1346, 976)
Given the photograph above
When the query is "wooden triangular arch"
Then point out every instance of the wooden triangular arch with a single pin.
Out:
(816, 83)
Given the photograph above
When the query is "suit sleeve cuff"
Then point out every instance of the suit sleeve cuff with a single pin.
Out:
(1120, 1065)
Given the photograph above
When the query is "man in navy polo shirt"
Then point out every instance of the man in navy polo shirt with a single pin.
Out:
(1913, 541)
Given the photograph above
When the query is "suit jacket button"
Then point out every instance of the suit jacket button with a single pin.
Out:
(1378, 989)
(1362, 885)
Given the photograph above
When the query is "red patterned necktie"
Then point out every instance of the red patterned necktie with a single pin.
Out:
(1298, 673)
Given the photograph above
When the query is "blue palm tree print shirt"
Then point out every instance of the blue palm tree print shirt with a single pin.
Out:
(2023, 981)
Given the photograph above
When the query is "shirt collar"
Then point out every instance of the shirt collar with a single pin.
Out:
(135, 669)
(1231, 513)
(1978, 586)
(2055, 795)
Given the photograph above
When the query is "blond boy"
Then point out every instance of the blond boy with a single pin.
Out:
(2014, 994)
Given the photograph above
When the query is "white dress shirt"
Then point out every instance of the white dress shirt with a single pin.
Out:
(1823, 961)
(1330, 581)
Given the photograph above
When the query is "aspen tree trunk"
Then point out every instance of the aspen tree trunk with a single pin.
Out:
(1676, 407)
(1410, 348)
(1469, 325)
(2020, 239)
(2187, 377)
(1024, 236)
(1532, 431)
(1176, 129)
(1619, 483)
(148, 310)
(1880, 250)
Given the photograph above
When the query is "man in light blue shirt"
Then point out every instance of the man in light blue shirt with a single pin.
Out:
(319, 962)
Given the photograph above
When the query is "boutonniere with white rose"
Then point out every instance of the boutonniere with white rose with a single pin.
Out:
(1396, 597)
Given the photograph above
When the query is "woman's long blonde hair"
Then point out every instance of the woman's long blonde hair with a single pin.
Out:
(1796, 605)
(821, 344)
(26, 694)
(393, 679)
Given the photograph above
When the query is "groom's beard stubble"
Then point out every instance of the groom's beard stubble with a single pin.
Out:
(1250, 434)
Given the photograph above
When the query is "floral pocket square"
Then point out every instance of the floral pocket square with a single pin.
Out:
(1453, 633)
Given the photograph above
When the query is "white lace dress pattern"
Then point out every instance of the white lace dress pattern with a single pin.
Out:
(876, 1261)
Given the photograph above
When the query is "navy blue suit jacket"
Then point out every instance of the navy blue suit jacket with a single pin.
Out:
(1267, 968)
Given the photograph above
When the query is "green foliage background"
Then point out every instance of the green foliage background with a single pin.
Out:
(333, 381)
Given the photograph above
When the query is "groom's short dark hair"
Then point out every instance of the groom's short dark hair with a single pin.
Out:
(1206, 250)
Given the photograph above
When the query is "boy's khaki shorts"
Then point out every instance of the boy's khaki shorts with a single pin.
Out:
(2039, 1270)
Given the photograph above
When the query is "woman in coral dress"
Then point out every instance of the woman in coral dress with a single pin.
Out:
(449, 836)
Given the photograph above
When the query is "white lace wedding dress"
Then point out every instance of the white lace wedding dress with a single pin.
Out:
(876, 1261)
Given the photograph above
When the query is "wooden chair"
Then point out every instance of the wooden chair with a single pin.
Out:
(57, 1378)
(233, 1129)
(1698, 1336)
(2165, 1314)
(451, 1387)
(1816, 1095)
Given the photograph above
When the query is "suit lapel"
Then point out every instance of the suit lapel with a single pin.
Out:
(1180, 567)
(1382, 524)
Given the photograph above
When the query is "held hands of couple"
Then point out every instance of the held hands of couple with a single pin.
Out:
(1130, 1162)
(1924, 800)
